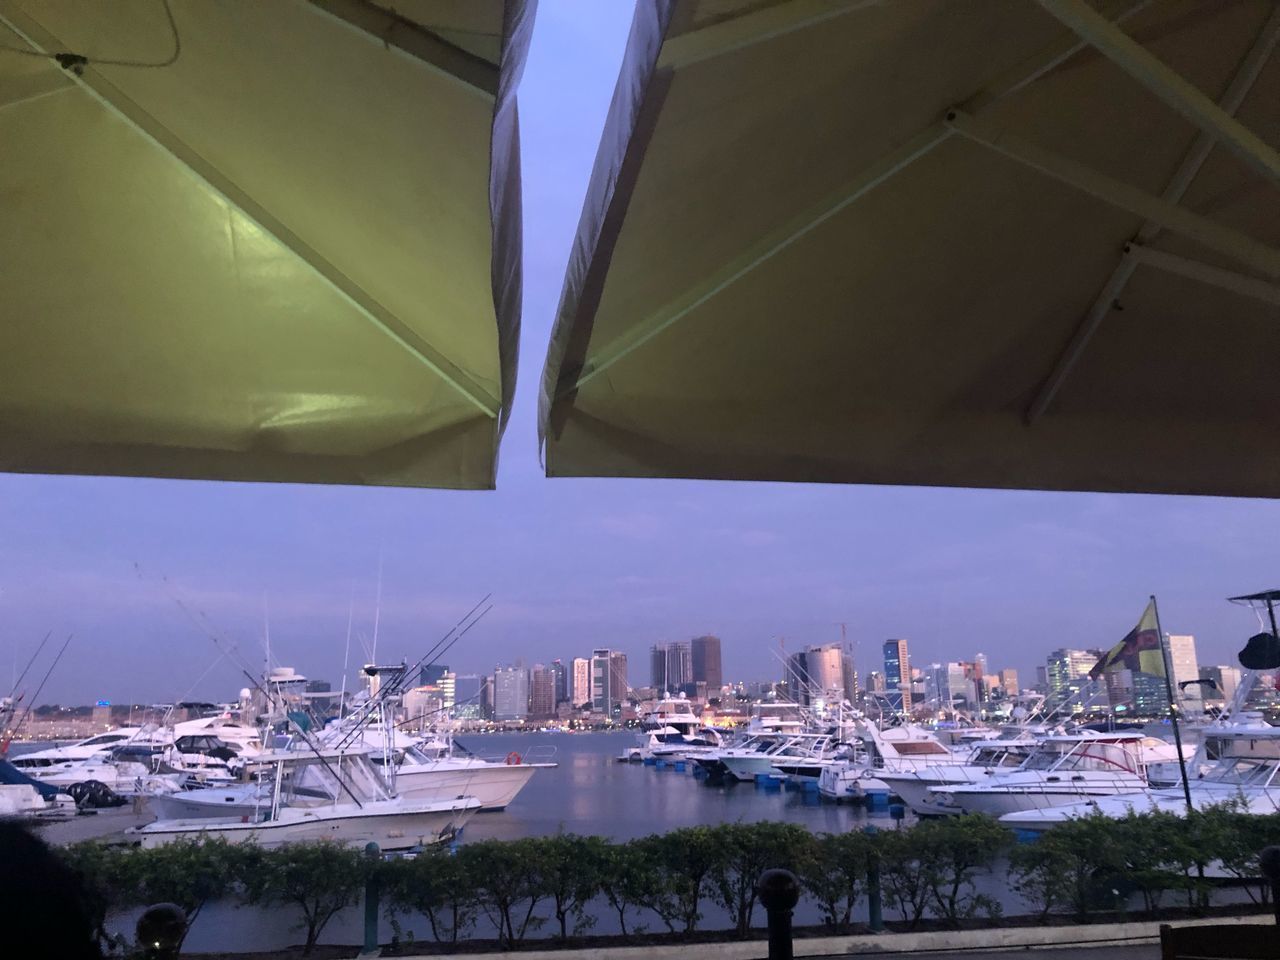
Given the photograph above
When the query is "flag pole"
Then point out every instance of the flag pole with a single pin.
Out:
(1173, 704)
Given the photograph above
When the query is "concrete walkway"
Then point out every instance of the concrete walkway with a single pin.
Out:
(1104, 941)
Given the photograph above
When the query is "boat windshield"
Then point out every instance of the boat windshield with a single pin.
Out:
(312, 782)
(1086, 755)
(1242, 771)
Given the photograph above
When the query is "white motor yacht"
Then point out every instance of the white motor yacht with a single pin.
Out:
(493, 782)
(1244, 771)
(323, 795)
(985, 759)
(903, 747)
(1063, 769)
(745, 763)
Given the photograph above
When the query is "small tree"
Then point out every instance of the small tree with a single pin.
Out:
(437, 885)
(572, 871)
(186, 872)
(508, 877)
(686, 859)
(746, 851)
(105, 884)
(630, 878)
(832, 870)
(962, 847)
(906, 869)
(319, 878)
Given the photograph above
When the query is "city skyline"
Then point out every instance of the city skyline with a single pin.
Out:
(143, 571)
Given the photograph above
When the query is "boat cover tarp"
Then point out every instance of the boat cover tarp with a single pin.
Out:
(791, 266)
(267, 241)
(12, 776)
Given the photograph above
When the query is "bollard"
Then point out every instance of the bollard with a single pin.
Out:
(1269, 861)
(374, 853)
(779, 891)
(875, 906)
(161, 930)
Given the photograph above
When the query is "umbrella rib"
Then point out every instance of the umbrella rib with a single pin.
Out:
(207, 173)
(1233, 243)
(747, 30)
(1167, 84)
(1243, 81)
(391, 29)
(1205, 273)
(881, 170)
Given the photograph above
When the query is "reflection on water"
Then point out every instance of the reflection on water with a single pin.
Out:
(590, 793)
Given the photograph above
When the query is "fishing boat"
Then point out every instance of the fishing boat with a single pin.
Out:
(1064, 769)
(322, 795)
(879, 750)
(1245, 774)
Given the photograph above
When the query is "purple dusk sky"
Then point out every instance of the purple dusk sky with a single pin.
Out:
(574, 564)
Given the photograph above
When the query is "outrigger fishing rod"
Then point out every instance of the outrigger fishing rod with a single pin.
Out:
(439, 649)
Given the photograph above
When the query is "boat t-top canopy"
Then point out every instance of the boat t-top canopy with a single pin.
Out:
(1015, 243)
(259, 241)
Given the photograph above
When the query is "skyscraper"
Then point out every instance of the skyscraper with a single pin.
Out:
(658, 668)
(580, 682)
(1182, 654)
(670, 666)
(1065, 665)
(1225, 680)
(510, 693)
(705, 661)
(608, 679)
(1009, 682)
(561, 675)
(431, 673)
(897, 674)
(542, 692)
(826, 672)
(466, 695)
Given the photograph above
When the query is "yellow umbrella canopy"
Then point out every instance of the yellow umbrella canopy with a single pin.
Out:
(1004, 243)
(259, 241)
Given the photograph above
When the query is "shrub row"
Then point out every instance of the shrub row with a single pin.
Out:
(562, 881)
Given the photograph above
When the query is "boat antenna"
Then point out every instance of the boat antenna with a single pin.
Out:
(4, 747)
(22, 676)
(377, 610)
(346, 656)
(441, 647)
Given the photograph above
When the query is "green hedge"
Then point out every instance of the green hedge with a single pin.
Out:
(562, 882)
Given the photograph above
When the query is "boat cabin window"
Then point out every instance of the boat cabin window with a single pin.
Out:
(919, 748)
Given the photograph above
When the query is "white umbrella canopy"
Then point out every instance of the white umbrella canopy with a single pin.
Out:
(1005, 243)
(259, 241)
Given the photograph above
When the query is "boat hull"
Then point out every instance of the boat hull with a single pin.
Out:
(385, 823)
(494, 785)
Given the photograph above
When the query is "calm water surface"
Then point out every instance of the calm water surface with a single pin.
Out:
(590, 793)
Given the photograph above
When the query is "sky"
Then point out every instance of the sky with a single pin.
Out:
(144, 573)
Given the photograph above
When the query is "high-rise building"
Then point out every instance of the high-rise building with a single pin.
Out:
(1065, 665)
(1225, 680)
(510, 693)
(561, 675)
(849, 677)
(825, 666)
(705, 663)
(1009, 682)
(1042, 680)
(796, 677)
(875, 682)
(466, 697)
(431, 673)
(1150, 697)
(1186, 668)
(897, 675)
(542, 692)
(670, 666)
(1120, 691)
(580, 681)
(608, 679)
